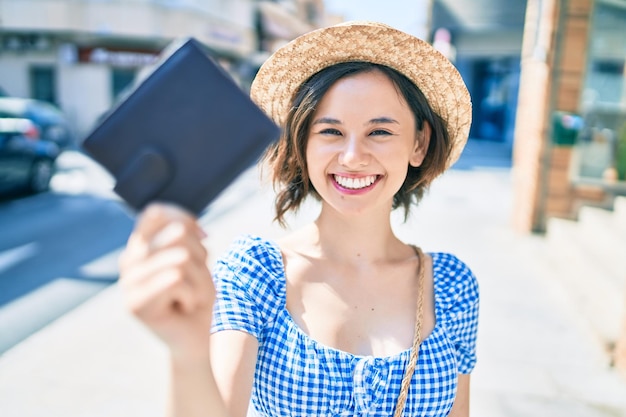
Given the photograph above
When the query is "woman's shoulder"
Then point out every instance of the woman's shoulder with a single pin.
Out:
(251, 257)
(250, 285)
(448, 262)
(453, 278)
(252, 249)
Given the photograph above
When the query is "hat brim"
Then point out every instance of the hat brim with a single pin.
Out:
(282, 74)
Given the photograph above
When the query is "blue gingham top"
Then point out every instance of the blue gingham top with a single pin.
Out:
(297, 376)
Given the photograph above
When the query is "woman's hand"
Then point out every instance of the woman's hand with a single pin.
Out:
(166, 280)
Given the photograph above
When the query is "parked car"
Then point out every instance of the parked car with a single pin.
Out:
(49, 119)
(26, 160)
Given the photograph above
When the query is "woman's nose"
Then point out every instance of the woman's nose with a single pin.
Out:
(353, 154)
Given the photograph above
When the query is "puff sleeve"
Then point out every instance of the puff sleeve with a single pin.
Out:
(248, 285)
(459, 292)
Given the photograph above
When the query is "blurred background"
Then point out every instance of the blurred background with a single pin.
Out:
(537, 202)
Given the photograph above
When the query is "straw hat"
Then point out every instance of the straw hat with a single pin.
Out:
(283, 72)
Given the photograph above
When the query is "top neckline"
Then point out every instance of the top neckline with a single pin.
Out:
(319, 345)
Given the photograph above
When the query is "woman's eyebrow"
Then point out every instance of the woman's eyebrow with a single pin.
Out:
(327, 120)
(380, 120)
(377, 120)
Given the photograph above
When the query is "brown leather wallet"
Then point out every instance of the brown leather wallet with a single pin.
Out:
(183, 134)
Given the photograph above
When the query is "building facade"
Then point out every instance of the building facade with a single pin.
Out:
(484, 40)
(570, 146)
(566, 117)
(81, 54)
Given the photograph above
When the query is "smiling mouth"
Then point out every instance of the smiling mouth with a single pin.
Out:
(355, 183)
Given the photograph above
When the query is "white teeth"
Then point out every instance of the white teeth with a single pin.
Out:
(355, 183)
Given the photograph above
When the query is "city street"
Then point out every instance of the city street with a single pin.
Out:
(57, 249)
(60, 248)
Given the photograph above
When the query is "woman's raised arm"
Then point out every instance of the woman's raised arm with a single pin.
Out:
(168, 286)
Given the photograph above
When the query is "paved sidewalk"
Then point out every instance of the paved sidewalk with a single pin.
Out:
(536, 358)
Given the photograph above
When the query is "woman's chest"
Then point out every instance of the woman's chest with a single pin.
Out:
(371, 314)
(298, 376)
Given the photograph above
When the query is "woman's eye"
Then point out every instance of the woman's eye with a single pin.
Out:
(330, 131)
(380, 132)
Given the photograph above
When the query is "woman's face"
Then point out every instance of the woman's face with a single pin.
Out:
(361, 141)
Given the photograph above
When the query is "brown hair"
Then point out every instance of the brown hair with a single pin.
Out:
(287, 157)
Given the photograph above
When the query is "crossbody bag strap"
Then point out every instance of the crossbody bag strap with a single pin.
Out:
(410, 369)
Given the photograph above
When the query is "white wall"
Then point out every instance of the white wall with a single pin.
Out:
(83, 90)
(14, 75)
(85, 93)
(14, 70)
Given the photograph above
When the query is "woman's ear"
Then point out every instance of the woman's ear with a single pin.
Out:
(420, 148)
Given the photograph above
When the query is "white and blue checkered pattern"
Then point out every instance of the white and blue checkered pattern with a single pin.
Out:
(296, 376)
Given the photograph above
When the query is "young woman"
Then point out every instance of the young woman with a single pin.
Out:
(339, 317)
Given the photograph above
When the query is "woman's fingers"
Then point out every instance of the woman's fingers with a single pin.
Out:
(171, 247)
(164, 265)
(166, 293)
(193, 271)
(152, 222)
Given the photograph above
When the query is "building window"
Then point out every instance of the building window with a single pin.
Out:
(601, 143)
(121, 79)
(42, 84)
